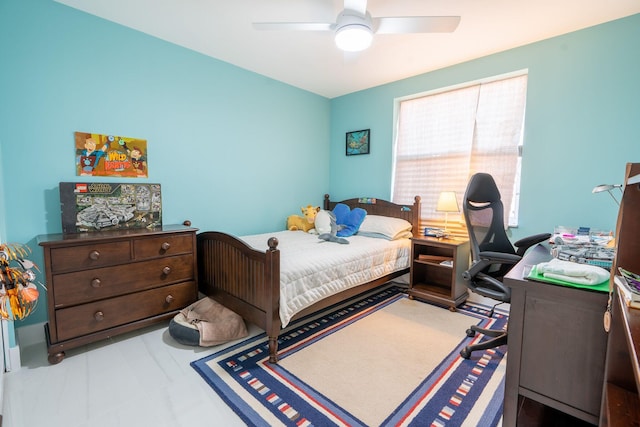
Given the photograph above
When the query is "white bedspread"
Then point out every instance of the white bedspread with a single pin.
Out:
(312, 269)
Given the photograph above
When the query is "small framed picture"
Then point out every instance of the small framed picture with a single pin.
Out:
(358, 142)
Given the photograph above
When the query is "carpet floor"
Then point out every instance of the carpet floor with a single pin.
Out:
(380, 359)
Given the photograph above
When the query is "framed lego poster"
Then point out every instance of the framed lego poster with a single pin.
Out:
(98, 206)
(110, 155)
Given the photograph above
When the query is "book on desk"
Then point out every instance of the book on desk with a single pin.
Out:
(630, 295)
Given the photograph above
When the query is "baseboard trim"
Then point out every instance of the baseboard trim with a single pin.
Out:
(14, 358)
(25, 337)
(30, 335)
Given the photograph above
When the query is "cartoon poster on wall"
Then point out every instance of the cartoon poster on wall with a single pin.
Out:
(110, 155)
(97, 206)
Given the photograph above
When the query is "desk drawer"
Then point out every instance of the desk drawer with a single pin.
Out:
(96, 316)
(162, 246)
(91, 285)
(90, 256)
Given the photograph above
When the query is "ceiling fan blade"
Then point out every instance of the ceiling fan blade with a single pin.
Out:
(293, 26)
(416, 24)
(359, 6)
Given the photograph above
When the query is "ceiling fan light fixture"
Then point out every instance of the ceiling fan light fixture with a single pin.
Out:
(353, 37)
(353, 31)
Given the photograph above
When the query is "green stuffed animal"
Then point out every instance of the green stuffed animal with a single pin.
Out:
(303, 223)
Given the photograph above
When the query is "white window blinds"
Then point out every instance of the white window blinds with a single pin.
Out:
(444, 138)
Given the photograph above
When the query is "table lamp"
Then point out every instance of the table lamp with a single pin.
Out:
(608, 187)
(447, 202)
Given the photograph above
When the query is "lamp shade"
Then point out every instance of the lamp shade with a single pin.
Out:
(447, 202)
(608, 187)
(605, 187)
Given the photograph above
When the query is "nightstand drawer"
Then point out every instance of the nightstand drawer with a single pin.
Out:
(97, 316)
(162, 246)
(91, 285)
(90, 256)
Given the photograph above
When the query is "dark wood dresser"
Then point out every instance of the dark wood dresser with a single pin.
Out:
(104, 284)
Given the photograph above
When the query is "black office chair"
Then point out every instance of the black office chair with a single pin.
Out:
(492, 254)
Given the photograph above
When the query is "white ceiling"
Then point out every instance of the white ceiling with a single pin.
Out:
(309, 60)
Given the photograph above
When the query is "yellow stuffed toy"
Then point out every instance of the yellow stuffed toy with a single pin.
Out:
(303, 223)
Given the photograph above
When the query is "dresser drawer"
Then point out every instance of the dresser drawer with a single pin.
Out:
(162, 246)
(91, 285)
(97, 316)
(90, 256)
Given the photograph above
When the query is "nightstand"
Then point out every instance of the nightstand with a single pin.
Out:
(436, 270)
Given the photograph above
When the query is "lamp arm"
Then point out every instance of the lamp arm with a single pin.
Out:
(614, 197)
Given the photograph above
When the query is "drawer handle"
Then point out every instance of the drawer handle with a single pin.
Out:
(99, 316)
(96, 283)
(169, 299)
(165, 246)
(166, 270)
(94, 255)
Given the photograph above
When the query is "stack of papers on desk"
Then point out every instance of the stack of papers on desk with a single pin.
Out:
(581, 236)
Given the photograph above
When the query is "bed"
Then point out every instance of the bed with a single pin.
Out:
(254, 275)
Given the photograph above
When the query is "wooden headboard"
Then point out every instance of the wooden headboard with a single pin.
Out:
(375, 206)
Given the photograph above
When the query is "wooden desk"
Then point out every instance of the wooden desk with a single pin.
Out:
(557, 345)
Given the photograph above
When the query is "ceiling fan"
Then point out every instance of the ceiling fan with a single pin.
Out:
(354, 27)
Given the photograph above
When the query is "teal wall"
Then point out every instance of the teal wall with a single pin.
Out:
(233, 150)
(238, 152)
(582, 124)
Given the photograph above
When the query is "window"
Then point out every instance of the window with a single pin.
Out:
(444, 137)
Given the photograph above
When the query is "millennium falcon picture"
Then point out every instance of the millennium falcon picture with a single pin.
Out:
(102, 214)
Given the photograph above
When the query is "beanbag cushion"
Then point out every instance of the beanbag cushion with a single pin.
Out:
(214, 324)
(184, 332)
(348, 220)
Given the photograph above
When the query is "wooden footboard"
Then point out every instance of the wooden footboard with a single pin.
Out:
(242, 279)
(247, 281)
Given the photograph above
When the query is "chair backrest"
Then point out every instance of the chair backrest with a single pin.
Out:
(484, 213)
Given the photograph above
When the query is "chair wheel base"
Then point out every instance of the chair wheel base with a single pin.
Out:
(471, 333)
(465, 353)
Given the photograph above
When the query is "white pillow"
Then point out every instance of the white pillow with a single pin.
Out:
(385, 227)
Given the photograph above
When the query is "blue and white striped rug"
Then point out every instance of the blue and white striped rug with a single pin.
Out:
(379, 360)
